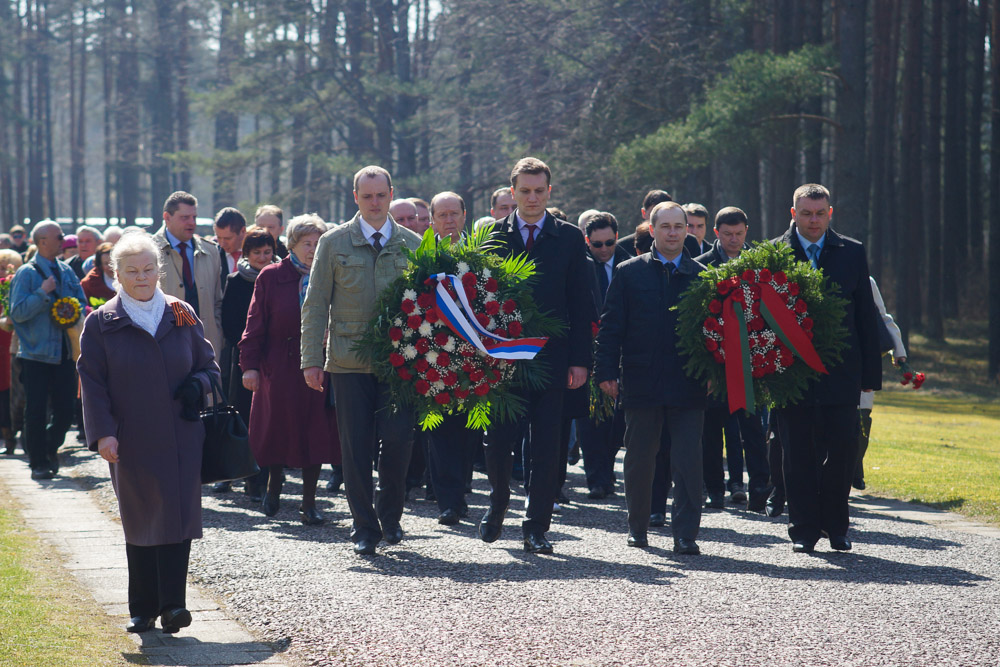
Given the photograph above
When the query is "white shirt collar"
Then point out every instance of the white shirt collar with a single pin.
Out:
(369, 231)
(521, 224)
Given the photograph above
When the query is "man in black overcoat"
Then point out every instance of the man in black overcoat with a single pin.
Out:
(819, 433)
(560, 255)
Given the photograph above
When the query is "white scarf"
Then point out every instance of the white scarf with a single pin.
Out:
(145, 314)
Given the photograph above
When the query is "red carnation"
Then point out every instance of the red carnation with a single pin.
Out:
(395, 333)
(793, 288)
(807, 323)
(755, 291)
(407, 306)
(425, 300)
(509, 306)
(749, 276)
(443, 359)
(450, 379)
(765, 275)
(396, 359)
(422, 387)
(715, 307)
(496, 375)
(469, 279)
(432, 375)
(461, 394)
(491, 285)
(432, 315)
(724, 287)
(800, 307)
(476, 375)
(710, 323)
(755, 308)
(470, 292)
(757, 360)
(483, 319)
(414, 321)
(786, 358)
(443, 398)
(481, 389)
(404, 373)
(422, 345)
(467, 367)
(422, 365)
(515, 329)
(780, 278)
(500, 331)
(906, 378)
(771, 355)
(441, 338)
(711, 345)
(757, 372)
(918, 380)
(492, 308)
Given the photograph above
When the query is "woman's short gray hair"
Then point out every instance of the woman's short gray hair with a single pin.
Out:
(135, 242)
(304, 225)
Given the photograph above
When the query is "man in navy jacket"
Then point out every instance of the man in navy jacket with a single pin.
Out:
(819, 433)
(637, 351)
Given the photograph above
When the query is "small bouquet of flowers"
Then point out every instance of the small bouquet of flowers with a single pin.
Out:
(457, 331)
(602, 406)
(5, 293)
(910, 377)
(66, 312)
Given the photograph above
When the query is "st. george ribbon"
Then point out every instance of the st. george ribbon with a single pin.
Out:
(467, 327)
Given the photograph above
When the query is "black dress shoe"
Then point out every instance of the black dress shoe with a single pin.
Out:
(336, 479)
(574, 455)
(535, 543)
(271, 504)
(41, 473)
(561, 498)
(392, 534)
(222, 487)
(596, 493)
(715, 502)
(775, 505)
(858, 484)
(365, 547)
(637, 540)
(141, 624)
(491, 525)
(174, 619)
(757, 501)
(310, 516)
(840, 543)
(686, 547)
(804, 547)
(449, 517)
(255, 493)
(657, 520)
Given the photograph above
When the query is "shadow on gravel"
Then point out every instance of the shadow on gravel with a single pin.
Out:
(157, 646)
(739, 538)
(924, 543)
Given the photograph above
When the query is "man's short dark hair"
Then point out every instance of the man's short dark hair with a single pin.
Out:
(530, 165)
(697, 210)
(257, 237)
(730, 215)
(175, 200)
(556, 212)
(371, 171)
(654, 197)
(496, 195)
(601, 220)
(813, 191)
(230, 218)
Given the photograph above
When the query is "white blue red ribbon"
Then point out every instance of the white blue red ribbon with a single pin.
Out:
(467, 327)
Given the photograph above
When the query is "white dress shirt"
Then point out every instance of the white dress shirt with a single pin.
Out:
(369, 231)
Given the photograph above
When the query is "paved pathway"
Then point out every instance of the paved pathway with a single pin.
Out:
(920, 588)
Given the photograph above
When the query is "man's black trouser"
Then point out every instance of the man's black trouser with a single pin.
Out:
(45, 383)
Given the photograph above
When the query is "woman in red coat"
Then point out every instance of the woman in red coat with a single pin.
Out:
(290, 424)
(98, 284)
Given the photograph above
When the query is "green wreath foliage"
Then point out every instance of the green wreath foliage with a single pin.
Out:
(514, 277)
(825, 309)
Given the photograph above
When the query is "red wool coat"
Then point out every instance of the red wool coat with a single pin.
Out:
(290, 423)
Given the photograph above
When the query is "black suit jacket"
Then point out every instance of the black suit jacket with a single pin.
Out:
(601, 276)
(716, 255)
(562, 288)
(627, 243)
(639, 334)
(843, 260)
(694, 248)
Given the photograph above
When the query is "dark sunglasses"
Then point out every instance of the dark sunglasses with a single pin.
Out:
(601, 244)
(17, 235)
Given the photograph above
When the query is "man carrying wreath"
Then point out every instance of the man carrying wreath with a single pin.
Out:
(819, 433)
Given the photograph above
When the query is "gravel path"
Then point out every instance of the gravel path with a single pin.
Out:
(909, 594)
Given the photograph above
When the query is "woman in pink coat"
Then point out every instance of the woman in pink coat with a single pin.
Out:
(290, 424)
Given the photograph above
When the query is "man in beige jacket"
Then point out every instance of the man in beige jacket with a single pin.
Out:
(192, 266)
(354, 263)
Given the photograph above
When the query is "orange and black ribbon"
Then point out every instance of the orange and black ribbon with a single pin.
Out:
(182, 317)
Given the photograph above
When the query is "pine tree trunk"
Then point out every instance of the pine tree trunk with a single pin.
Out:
(993, 367)
(977, 40)
(956, 241)
(161, 109)
(932, 183)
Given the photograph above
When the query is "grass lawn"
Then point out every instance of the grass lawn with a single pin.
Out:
(45, 616)
(940, 445)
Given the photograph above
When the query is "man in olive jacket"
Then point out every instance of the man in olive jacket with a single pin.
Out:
(638, 342)
(354, 263)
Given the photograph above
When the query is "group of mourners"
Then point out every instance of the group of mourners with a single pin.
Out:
(272, 313)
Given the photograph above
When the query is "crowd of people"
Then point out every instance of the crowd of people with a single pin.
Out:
(272, 313)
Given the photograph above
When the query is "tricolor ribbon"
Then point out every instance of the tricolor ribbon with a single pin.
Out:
(739, 375)
(467, 327)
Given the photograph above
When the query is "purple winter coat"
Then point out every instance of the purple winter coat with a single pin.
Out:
(290, 423)
(128, 379)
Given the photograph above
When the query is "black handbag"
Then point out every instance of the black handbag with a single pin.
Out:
(226, 455)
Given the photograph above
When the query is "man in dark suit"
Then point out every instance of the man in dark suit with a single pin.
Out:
(695, 242)
(652, 198)
(638, 335)
(819, 433)
(731, 233)
(560, 257)
(600, 443)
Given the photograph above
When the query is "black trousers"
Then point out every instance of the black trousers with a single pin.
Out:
(748, 437)
(662, 480)
(599, 444)
(157, 577)
(365, 419)
(819, 448)
(449, 449)
(541, 458)
(45, 383)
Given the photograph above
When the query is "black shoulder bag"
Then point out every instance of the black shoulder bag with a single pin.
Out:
(226, 454)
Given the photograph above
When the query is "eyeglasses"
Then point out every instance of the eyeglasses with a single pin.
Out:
(601, 244)
(17, 235)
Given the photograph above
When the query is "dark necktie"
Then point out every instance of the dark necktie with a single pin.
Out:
(188, 276)
(530, 243)
(377, 242)
(602, 275)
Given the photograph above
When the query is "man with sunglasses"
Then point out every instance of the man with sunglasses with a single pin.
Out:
(20, 238)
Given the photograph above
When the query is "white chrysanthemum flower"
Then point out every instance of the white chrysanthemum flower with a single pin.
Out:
(486, 274)
(425, 329)
(410, 294)
(398, 322)
(491, 325)
(490, 296)
(462, 268)
(395, 343)
(408, 332)
(450, 345)
(409, 353)
(438, 386)
(431, 357)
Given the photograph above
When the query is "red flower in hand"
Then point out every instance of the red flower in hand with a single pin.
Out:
(918, 380)
(422, 387)
(906, 378)
(395, 333)
(509, 306)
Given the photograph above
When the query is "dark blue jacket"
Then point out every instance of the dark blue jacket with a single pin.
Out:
(639, 334)
(843, 260)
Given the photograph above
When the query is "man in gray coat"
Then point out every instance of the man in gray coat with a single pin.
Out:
(354, 263)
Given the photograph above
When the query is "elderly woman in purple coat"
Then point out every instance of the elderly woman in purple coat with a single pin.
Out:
(144, 368)
(290, 424)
